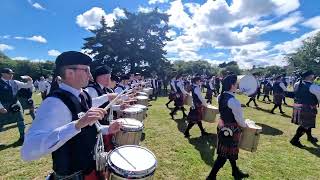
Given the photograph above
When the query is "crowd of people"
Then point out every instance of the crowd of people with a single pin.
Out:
(75, 97)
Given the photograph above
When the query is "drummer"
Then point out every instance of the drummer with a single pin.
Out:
(278, 92)
(197, 108)
(123, 84)
(229, 129)
(63, 123)
(210, 89)
(267, 88)
(173, 90)
(181, 93)
(10, 107)
(307, 96)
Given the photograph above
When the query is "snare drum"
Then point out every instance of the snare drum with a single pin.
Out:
(142, 100)
(209, 113)
(142, 94)
(188, 100)
(131, 162)
(144, 108)
(250, 137)
(134, 113)
(129, 134)
(148, 90)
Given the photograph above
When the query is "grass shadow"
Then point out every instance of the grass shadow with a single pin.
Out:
(206, 145)
(143, 136)
(268, 130)
(10, 126)
(313, 150)
(181, 124)
(12, 145)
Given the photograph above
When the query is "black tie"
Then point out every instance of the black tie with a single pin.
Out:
(83, 101)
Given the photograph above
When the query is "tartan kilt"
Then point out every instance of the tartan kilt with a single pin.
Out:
(25, 104)
(11, 117)
(172, 95)
(195, 114)
(209, 94)
(179, 99)
(228, 146)
(277, 98)
(304, 115)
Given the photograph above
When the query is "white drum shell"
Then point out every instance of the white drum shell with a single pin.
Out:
(247, 84)
(142, 100)
(250, 138)
(210, 113)
(134, 113)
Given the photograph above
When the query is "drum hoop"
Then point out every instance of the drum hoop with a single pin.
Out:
(131, 129)
(133, 112)
(131, 174)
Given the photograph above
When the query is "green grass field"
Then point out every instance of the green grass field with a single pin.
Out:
(188, 159)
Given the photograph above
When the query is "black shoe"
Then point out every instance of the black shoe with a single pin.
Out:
(184, 116)
(285, 104)
(239, 175)
(256, 105)
(296, 143)
(211, 178)
(247, 105)
(313, 139)
(21, 140)
(204, 133)
(282, 112)
(167, 106)
(271, 112)
(171, 114)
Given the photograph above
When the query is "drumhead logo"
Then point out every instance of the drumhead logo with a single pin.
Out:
(81, 114)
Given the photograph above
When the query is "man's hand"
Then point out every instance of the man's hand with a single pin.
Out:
(114, 127)
(90, 117)
(3, 111)
(111, 96)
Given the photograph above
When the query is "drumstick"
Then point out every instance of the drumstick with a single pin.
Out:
(126, 160)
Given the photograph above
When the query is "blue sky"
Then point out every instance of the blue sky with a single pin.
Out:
(252, 32)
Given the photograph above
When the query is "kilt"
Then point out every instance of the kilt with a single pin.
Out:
(25, 104)
(253, 96)
(179, 100)
(304, 115)
(195, 114)
(209, 94)
(10, 116)
(266, 91)
(277, 98)
(228, 146)
(172, 95)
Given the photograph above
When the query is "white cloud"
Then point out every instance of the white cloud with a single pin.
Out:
(39, 39)
(91, 18)
(157, 1)
(4, 47)
(286, 24)
(5, 37)
(171, 33)
(20, 58)
(36, 5)
(178, 17)
(144, 9)
(36, 38)
(54, 52)
(285, 6)
(313, 22)
(289, 47)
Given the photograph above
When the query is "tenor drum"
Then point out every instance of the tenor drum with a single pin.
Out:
(250, 137)
(130, 133)
(142, 100)
(134, 113)
(131, 162)
(188, 100)
(209, 114)
(144, 108)
(247, 84)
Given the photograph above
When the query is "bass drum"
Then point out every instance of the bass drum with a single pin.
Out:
(248, 84)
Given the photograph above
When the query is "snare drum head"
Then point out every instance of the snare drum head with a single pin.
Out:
(142, 97)
(248, 84)
(132, 161)
(130, 124)
(133, 110)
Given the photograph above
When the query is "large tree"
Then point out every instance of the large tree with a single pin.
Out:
(133, 43)
(307, 56)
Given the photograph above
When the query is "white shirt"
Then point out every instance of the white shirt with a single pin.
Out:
(198, 93)
(211, 84)
(283, 86)
(173, 85)
(181, 86)
(235, 106)
(52, 126)
(44, 86)
(16, 85)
